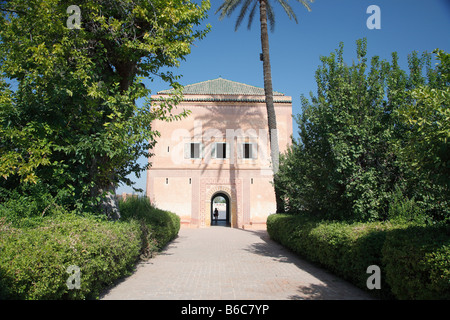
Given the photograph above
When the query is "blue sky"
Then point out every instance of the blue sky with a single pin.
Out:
(295, 49)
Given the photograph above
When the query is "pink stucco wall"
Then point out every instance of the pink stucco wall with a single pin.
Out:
(185, 186)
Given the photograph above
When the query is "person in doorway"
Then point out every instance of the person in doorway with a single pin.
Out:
(216, 214)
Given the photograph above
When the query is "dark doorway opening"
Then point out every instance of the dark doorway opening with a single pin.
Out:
(221, 202)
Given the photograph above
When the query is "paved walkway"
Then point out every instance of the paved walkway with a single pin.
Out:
(225, 263)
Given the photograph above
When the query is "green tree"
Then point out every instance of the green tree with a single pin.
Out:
(72, 122)
(265, 14)
(425, 147)
(348, 163)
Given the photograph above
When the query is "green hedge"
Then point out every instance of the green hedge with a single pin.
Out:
(34, 261)
(35, 253)
(348, 249)
(158, 226)
(417, 261)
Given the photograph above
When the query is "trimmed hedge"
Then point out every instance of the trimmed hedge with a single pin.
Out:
(33, 262)
(348, 249)
(158, 226)
(417, 261)
(35, 255)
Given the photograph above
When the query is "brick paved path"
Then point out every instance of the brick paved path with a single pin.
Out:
(225, 263)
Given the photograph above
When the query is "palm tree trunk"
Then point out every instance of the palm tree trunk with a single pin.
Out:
(268, 90)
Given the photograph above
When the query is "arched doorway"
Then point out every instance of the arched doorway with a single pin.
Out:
(221, 201)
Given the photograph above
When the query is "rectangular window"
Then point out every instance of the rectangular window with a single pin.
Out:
(249, 150)
(193, 150)
(221, 150)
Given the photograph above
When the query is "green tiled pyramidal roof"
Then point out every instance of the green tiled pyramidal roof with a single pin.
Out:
(221, 86)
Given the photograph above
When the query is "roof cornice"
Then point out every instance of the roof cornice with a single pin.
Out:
(222, 90)
(221, 86)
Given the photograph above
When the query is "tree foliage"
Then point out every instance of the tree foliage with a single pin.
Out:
(426, 145)
(70, 118)
(358, 138)
(251, 6)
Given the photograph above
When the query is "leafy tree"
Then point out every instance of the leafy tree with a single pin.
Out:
(265, 14)
(348, 161)
(72, 122)
(425, 147)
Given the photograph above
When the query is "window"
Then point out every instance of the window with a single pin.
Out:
(249, 150)
(220, 150)
(193, 150)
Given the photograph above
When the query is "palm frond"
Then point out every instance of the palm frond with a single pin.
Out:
(306, 4)
(288, 9)
(227, 8)
(270, 15)
(243, 12)
(252, 14)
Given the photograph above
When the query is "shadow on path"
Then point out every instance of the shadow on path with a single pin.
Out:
(328, 287)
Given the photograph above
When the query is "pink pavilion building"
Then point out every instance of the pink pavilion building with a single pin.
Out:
(220, 150)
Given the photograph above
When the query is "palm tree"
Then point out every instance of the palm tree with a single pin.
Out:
(265, 14)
